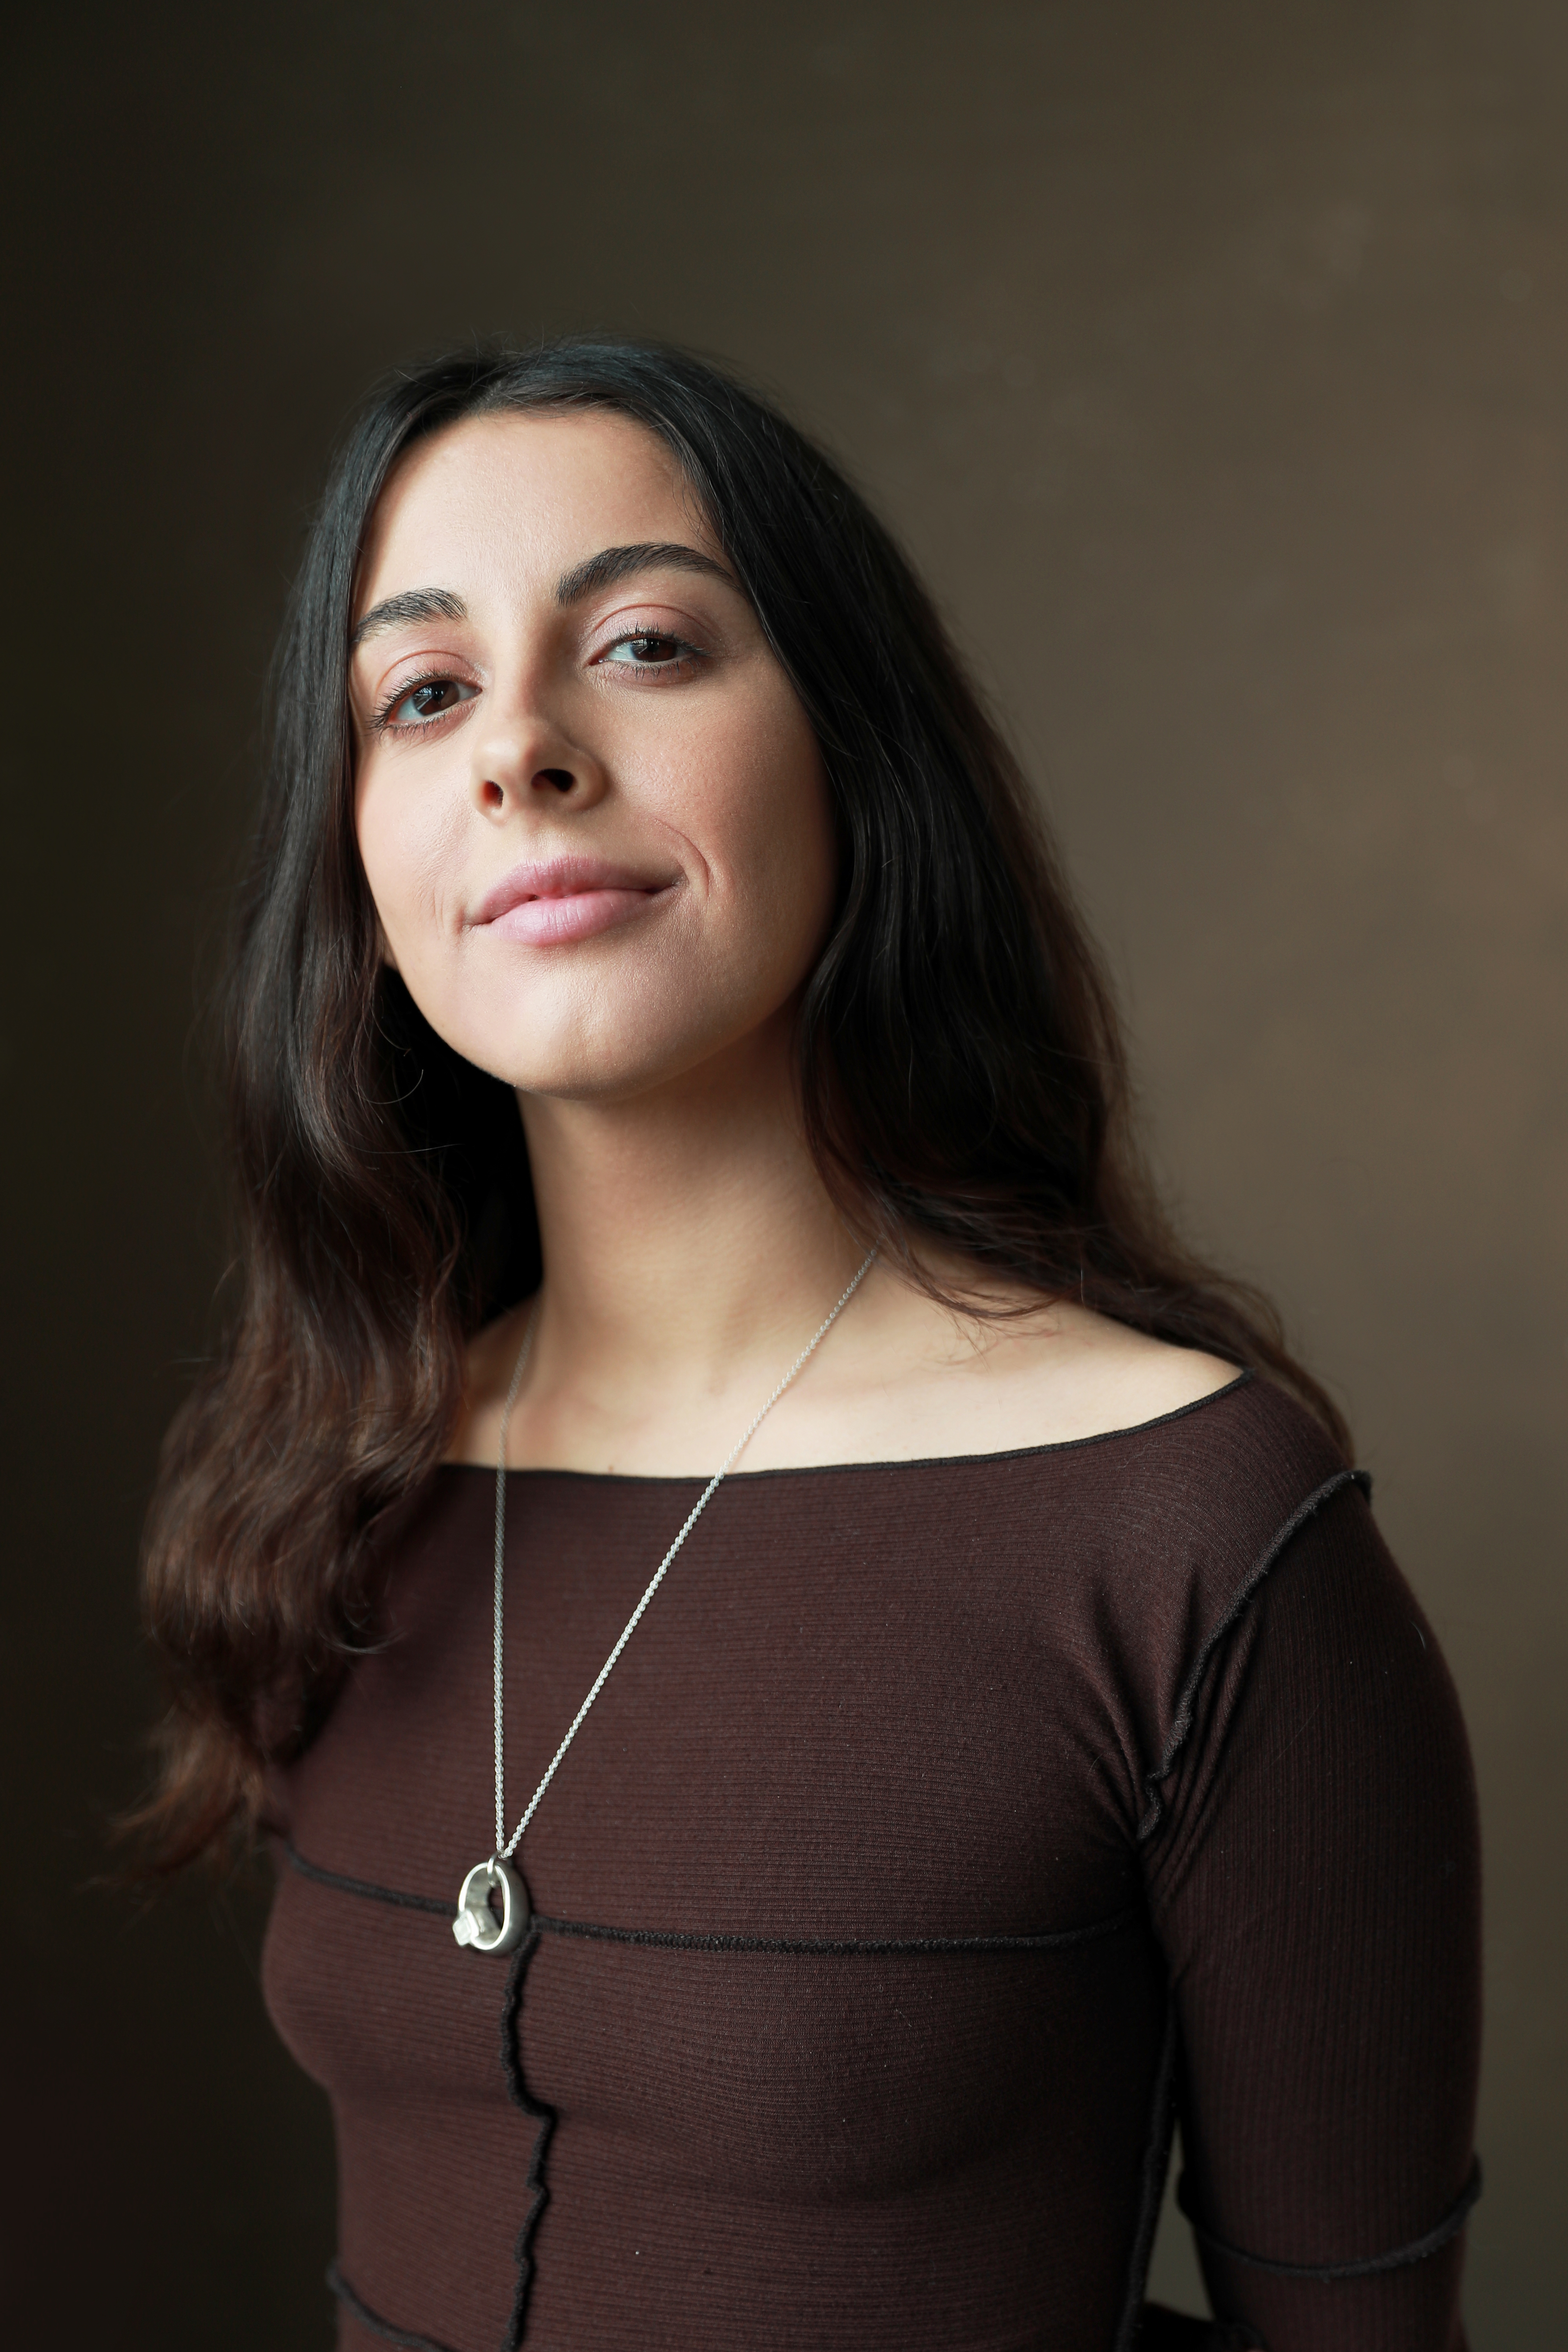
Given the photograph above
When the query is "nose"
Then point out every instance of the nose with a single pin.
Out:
(530, 763)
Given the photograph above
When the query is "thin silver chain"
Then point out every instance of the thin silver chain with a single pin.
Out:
(504, 1852)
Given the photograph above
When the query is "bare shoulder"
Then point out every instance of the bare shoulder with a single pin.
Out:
(913, 1382)
(1101, 1376)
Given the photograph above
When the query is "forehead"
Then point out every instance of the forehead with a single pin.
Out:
(522, 498)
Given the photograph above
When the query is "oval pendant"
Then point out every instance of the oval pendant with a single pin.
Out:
(476, 1924)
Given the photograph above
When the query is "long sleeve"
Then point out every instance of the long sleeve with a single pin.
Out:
(1316, 1888)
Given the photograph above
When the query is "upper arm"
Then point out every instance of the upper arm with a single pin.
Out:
(1316, 1888)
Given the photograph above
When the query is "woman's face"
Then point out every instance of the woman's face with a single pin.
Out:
(591, 809)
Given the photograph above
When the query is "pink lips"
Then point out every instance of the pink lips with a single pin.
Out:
(566, 899)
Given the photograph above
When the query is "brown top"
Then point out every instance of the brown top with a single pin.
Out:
(939, 1816)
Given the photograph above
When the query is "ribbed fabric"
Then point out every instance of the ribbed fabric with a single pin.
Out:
(1015, 1697)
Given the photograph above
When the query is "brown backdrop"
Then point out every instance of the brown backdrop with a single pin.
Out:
(1212, 361)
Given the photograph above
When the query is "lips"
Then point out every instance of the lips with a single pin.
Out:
(567, 898)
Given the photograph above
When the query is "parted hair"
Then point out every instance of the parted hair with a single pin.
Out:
(962, 1074)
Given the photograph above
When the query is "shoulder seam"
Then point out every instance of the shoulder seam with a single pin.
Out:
(1186, 1703)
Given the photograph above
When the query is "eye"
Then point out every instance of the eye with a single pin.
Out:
(649, 649)
(432, 698)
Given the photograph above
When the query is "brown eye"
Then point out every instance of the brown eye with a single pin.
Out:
(646, 649)
(432, 699)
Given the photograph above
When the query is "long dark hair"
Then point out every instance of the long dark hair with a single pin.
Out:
(961, 1073)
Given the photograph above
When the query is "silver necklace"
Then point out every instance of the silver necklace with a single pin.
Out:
(475, 1925)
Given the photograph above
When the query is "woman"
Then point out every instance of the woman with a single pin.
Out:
(1028, 1743)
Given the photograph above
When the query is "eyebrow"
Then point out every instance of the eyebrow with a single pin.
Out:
(413, 604)
(590, 577)
(616, 563)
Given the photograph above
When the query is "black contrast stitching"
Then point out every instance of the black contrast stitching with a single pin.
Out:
(833, 1948)
(670, 1939)
(364, 1886)
(543, 2114)
(1453, 2221)
(373, 2319)
(1186, 1704)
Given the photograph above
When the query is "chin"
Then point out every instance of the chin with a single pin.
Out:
(591, 1068)
(630, 1036)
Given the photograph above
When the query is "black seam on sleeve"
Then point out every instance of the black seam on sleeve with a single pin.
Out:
(1453, 2221)
(1186, 1704)
(373, 2321)
(671, 1939)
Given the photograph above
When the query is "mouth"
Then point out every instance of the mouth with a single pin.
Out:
(568, 898)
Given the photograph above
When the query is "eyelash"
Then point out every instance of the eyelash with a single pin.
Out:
(381, 720)
(684, 653)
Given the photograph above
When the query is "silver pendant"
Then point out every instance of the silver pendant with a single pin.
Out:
(475, 1923)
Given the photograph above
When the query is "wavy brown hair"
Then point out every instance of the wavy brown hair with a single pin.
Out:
(961, 1072)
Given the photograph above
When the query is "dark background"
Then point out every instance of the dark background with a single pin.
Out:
(1211, 360)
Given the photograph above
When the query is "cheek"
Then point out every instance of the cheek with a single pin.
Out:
(407, 841)
(774, 831)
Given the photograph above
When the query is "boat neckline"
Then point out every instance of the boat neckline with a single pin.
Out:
(1246, 1378)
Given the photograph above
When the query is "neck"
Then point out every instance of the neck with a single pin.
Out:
(687, 1236)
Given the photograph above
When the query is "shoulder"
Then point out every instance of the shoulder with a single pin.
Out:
(1188, 1483)
(1220, 1471)
(1179, 1528)
(912, 1380)
(1081, 1375)
(1169, 1413)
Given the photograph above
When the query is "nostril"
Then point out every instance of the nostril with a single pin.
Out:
(562, 778)
(493, 796)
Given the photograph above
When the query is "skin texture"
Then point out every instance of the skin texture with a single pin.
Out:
(642, 721)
